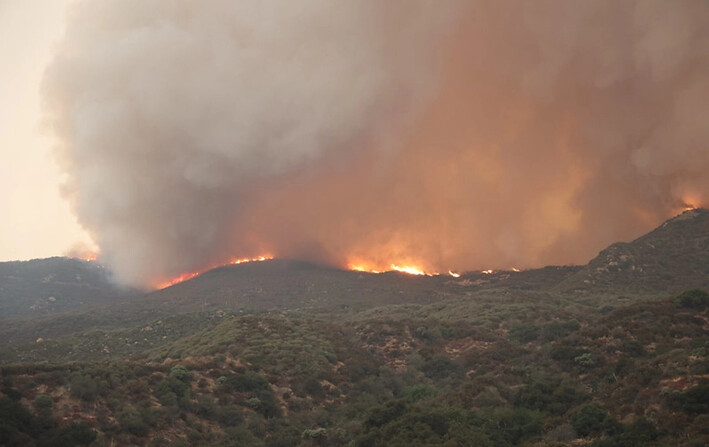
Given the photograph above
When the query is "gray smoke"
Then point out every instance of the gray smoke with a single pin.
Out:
(170, 113)
(446, 134)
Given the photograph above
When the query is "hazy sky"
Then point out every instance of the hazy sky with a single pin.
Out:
(35, 222)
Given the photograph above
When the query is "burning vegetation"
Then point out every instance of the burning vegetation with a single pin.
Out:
(189, 275)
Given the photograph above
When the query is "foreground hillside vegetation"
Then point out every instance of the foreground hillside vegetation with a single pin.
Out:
(289, 354)
(631, 376)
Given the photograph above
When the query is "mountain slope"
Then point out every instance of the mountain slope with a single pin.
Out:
(54, 285)
(287, 353)
(669, 259)
(287, 284)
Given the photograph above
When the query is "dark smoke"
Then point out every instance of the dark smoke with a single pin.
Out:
(449, 135)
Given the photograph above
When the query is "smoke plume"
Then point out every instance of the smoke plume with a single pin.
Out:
(446, 134)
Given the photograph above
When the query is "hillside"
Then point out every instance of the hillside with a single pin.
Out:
(672, 258)
(669, 259)
(287, 284)
(250, 287)
(49, 286)
(529, 374)
(289, 354)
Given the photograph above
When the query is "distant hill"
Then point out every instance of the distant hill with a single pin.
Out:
(53, 285)
(672, 258)
(61, 295)
(287, 284)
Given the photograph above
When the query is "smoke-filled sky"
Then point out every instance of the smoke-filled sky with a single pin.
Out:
(34, 220)
(441, 134)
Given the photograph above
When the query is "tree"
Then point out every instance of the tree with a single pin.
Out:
(588, 419)
(693, 299)
(83, 387)
(696, 400)
(43, 404)
(181, 373)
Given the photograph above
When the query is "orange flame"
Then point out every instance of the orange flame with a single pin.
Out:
(258, 259)
(361, 268)
(189, 275)
(408, 268)
(178, 279)
(689, 201)
(688, 205)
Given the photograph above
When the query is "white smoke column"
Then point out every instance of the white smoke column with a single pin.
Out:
(168, 112)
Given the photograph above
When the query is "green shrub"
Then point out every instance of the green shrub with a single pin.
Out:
(449, 333)
(511, 426)
(313, 387)
(181, 373)
(425, 334)
(549, 396)
(693, 299)
(696, 400)
(83, 387)
(264, 403)
(633, 348)
(385, 414)
(229, 416)
(314, 433)
(559, 329)
(419, 392)
(565, 353)
(132, 421)
(589, 419)
(42, 402)
(439, 367)
(238, 436)
(641, 433)
(249, 381)
(284, 436)
(525, 333)
(74, 435)
(172, 391)
(15, 419)
(585, 360)
(397, 424)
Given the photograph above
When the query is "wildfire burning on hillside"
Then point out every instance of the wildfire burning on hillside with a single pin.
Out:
(404, 268)
(189, 275)
(178, 279)
(89, 257)
(358, 267)
(450, 135)
(256, 259)
(690, 202)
